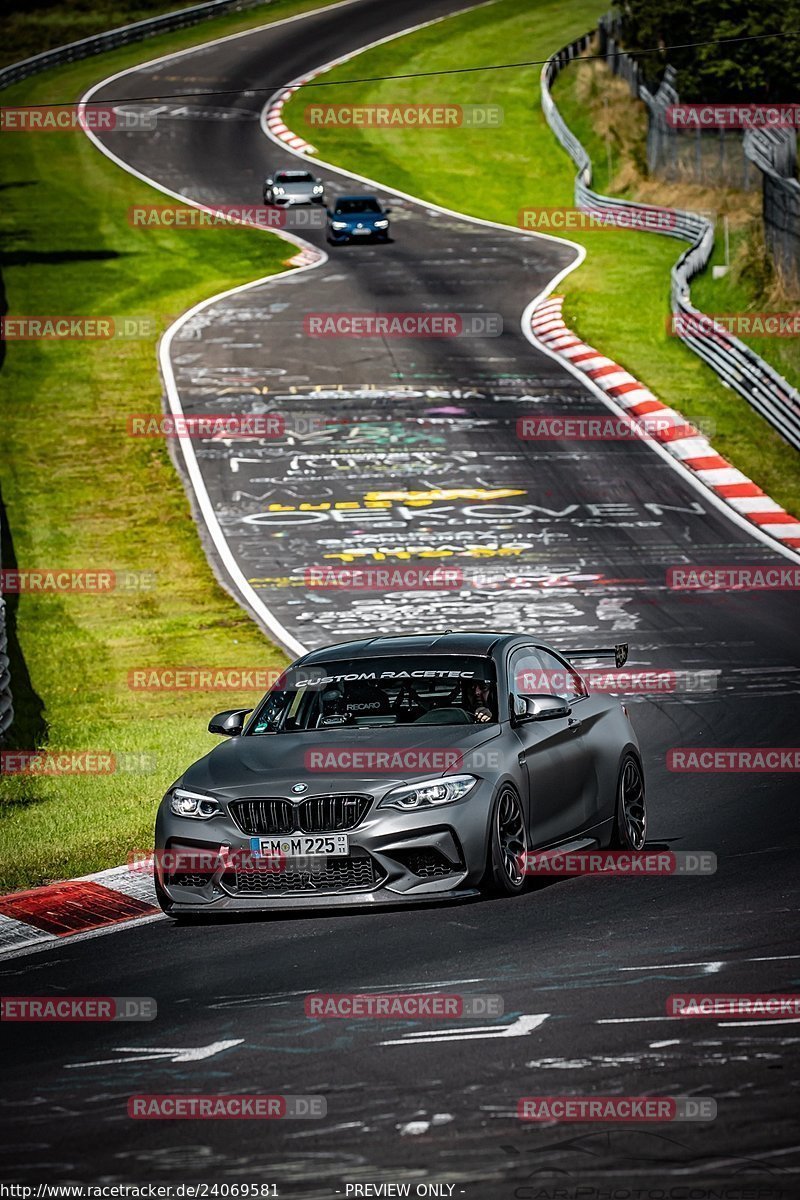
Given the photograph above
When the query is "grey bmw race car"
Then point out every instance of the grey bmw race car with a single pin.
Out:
(401, 769)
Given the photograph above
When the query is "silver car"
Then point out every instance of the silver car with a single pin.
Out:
(293, 187)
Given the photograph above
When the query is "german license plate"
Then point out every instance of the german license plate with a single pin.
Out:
(322, 845)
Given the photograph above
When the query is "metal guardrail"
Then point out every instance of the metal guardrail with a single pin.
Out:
(137, 31)
(736, 364)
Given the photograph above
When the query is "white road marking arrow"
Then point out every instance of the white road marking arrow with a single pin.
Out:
(173, 1054)
(519, 1028)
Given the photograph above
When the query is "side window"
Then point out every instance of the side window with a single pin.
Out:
(565, 679)
(534, 670)
(525, 672)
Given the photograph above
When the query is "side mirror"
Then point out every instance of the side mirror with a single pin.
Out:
(229, 723)
(540, 707)
(387, 210)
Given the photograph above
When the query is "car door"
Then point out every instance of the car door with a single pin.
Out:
(555, 752)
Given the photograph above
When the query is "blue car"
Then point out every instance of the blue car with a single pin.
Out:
(358, 217)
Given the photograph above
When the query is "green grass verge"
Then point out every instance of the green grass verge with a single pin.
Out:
(618, 299)
(28, 31)
(78, 492)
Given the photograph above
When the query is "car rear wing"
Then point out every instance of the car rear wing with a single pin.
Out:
(619, 653)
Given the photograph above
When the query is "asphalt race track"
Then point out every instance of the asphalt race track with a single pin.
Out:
(420, 442)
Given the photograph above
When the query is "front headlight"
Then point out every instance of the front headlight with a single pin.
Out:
(430, 794)
(192, 804)
(317, 189)
(277, 191)
(339, 225)
(381, 224)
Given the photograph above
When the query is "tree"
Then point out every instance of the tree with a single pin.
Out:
(746, 71)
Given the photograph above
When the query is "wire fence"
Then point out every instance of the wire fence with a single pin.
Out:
(774, 151)
(711, 157)
(742, 159)
(736, 364)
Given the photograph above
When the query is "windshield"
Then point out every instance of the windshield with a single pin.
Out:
(294, 177)
(363, 205)
(407, 690)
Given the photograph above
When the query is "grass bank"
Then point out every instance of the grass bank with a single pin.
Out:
(79, 493)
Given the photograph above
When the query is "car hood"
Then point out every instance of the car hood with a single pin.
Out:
(365, 218)
(337, 760)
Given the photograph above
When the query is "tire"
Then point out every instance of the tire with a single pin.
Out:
(508, 841)
(630, 816)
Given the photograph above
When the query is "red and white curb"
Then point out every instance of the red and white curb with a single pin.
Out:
(672, 430)
(58, 910)
(275, 122)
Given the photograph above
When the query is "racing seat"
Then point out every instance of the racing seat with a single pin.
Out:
(365, 699)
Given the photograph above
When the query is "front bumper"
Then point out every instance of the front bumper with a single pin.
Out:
(394, 858)
(299, 198)
(347, 235)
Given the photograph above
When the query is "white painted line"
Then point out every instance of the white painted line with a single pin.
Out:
(633, 1020)
(723, 962)
(276, 629)
(519, 1028)
(174, 1054)
(763, 1021)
